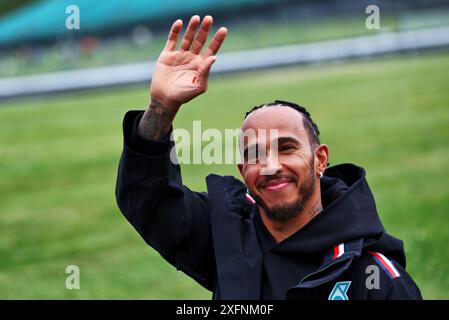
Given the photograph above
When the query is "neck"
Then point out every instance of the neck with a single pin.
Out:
(281, 230)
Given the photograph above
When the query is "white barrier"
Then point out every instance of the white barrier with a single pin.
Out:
(232, 61)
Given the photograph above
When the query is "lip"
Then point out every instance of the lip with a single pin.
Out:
(276, 185)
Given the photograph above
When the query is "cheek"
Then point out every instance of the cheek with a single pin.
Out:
(250, 174)
(300, 164)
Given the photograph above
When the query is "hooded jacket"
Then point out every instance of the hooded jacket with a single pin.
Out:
(219, 240)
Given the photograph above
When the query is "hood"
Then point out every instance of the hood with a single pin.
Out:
(349, 213)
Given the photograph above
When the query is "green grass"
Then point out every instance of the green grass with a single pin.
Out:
(58, 161)
(261, 35)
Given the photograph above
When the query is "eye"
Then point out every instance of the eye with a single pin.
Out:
(286, 147)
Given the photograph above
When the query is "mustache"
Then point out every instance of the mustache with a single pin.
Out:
(267, 179)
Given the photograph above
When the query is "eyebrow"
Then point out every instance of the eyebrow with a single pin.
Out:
(280, 141)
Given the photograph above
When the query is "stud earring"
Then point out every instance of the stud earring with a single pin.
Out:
(321, 175)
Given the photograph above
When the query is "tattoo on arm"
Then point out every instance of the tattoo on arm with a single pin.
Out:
(155, 122)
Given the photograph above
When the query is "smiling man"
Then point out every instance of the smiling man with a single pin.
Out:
(294, 229)
(282, 179)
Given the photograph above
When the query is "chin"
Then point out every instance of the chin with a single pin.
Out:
(280, 203)
(281, 198)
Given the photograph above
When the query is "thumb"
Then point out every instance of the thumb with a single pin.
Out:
(205, 68)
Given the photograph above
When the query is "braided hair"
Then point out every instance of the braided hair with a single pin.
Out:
(311, 128)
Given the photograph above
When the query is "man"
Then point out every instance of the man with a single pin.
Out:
(303, 231)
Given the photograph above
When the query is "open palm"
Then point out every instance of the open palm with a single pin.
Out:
(181, 75)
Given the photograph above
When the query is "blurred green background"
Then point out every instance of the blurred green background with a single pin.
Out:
(59, 157)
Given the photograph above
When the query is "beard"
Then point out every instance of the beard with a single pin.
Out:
(286, 211)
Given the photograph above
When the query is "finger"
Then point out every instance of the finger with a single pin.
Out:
(175, 30)
(216, 42)
(201, 38)
(190, 33)
(205, 68)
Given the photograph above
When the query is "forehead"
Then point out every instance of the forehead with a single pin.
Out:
(286, 120)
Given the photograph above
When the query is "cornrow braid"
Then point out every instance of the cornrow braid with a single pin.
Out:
(311, 127)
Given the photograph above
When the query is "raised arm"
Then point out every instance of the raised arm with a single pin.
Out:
(180, 74)
(170, 218)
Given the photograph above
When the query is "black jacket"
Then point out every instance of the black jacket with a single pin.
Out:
(216, 237)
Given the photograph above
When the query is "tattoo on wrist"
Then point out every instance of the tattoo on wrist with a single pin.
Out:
(155, 122)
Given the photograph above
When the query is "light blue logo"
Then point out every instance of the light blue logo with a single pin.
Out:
(339, 292)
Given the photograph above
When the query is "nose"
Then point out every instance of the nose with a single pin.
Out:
(269, 165)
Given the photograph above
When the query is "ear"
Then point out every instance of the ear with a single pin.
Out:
(321, 157)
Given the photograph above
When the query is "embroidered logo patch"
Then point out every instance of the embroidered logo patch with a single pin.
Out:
(339, 292)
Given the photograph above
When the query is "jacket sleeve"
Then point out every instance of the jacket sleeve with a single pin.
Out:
(169, 217)
(403, 288)
(394, 284)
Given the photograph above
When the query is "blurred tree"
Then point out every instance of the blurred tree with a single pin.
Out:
(7, 6)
